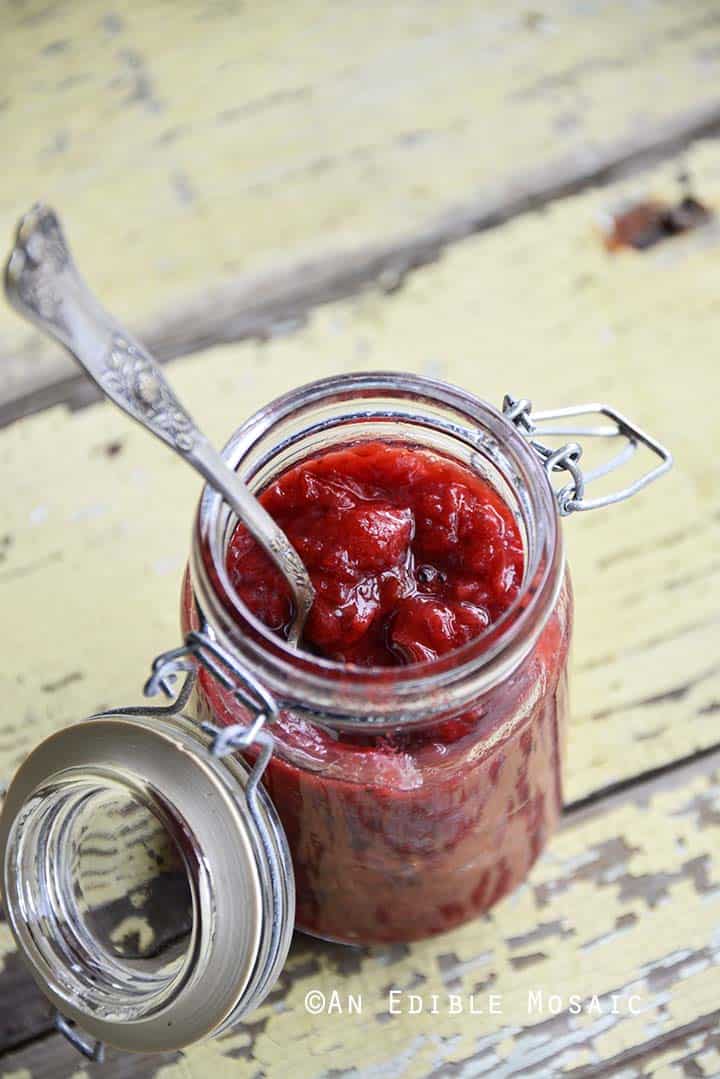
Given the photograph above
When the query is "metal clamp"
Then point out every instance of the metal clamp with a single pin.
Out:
(200, 648)
(571, 498)
(93, 1050)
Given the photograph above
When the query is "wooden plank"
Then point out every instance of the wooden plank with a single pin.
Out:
(222, 169)
(625, 903)
(95, 532)
(97, 517)
(23, 1012)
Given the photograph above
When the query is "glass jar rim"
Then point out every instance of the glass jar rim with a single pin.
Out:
(346, 695)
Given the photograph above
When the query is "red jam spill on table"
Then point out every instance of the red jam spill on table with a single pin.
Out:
(400, 835)
(411, 554)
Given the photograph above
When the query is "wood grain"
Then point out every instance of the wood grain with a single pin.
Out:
(625, 902)
(95, 531)
(97, 518)
(221, 170)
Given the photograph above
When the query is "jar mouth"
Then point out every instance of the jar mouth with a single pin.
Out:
(147, 883)
(95, 944)
(382, 406)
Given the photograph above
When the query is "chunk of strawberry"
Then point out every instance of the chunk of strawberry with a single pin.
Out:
(424, 628)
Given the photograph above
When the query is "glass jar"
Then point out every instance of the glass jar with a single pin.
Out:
(153, 866)
(412, 798)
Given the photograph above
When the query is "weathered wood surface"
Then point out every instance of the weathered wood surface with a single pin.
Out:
(516, 106)
(97, 516)
(221, 167)
(626, 903)
(93, 509)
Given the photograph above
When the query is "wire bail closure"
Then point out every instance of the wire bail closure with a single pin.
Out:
(200, 648)
(91, 1050)
(571, 498)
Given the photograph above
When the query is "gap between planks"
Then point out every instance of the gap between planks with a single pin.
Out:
(640, 791)
(280, 303)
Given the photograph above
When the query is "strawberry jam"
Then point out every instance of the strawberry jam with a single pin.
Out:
(410, 554)
(406, 833)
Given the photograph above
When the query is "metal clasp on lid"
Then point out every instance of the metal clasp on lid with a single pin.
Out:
(200, 648)
(571, 498)
(92, 1050)
(241, 931)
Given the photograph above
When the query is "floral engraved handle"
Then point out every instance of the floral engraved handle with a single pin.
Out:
(134, 382)
(43, 284)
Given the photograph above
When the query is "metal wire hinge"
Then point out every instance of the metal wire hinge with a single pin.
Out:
(94, 1051)
(572, 498)
(201, 649)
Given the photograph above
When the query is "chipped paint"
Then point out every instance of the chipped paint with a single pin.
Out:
(627, 899)
(268, 168)
(7, 944)
(646, 680)
(667, 965)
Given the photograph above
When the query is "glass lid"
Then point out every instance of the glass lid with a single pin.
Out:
(146, 880)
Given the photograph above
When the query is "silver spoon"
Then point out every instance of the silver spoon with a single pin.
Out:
(43, 284)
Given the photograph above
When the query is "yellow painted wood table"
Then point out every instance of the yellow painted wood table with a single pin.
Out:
(282, 193)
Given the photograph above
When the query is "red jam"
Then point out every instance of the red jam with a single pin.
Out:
(401, 835)
(411, 554)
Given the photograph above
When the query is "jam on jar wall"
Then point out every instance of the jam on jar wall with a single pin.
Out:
(402, 835)
(439, 829)
(413, 797)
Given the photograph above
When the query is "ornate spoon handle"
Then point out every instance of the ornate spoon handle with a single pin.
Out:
(43, 284)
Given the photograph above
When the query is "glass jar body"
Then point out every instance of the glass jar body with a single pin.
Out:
(412, 799)
(405, 834)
